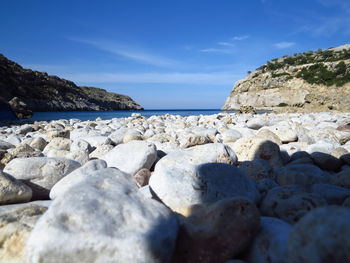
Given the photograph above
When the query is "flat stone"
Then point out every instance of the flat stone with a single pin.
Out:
(217, 232)
(104, 219)
(323, 235)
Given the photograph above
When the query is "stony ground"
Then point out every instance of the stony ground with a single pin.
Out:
(219, 188)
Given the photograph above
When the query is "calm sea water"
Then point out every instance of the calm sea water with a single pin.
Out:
(105, 115)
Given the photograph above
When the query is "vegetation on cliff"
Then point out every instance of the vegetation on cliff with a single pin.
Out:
(42, 92)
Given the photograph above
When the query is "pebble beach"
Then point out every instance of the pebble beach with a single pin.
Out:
(227, 187)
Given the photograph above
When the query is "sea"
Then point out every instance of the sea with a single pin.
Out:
(105, 115)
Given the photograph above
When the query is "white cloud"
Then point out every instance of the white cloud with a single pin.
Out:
(127, 52)
(239, 38)
(282, 45)
(217, 50)
(211, 78)
(226, 44)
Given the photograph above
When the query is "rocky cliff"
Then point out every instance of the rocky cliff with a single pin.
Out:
(41, 92)
(310, 81)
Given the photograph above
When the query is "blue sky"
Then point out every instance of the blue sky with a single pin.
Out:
(162, 53)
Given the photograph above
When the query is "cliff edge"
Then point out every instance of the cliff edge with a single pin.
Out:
(42, 92)
(310, 81)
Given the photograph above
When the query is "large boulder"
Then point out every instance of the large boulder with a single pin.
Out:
(104, 219)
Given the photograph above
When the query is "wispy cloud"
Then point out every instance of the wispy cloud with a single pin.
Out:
(226, 44)
(211, 78)
(282, 45)
(217, 50)
(240, 38)
(128, 52)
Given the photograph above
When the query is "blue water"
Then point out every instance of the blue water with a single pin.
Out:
(105, 115)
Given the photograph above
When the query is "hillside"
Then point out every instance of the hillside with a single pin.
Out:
(42, 92)
(310, 81)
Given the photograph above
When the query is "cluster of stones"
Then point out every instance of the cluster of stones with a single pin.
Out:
(219, 188)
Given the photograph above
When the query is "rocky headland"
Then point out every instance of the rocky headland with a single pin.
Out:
(219, 188)
(305, 82)
(38, 91)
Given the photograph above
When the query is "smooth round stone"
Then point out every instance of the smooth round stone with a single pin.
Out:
(40, 173)
(76, 177)
(300, 174)
(100, 151)
(333, 194)
(13, 191)
(266, 134)
(132, 135)
(230, 136)
(323, 235)
(15, 227)
(104, 219)
(341, 179)
(132, 156)
(271, 243)
(58, 143)
(285, 133)
(257, 122)
(326, 161)
(217, 232)
(289, 203)
(264, 185)
(250, 148)
(181, 185)
(257, 169)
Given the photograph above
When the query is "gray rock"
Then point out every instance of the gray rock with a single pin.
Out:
(289, 203)
(76, 177)
(142, 177)
(132, 157)
(40, 173)
(58, 143)
(12, 190)
(323, 235)
(334, 195)
(266, 134)
(123, 227)
(217, 232)
(230, 136)
(300, 174)
(271, 243)
(342, 178)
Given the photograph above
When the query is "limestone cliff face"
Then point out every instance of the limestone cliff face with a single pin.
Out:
(41, 92)
(312, 81)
